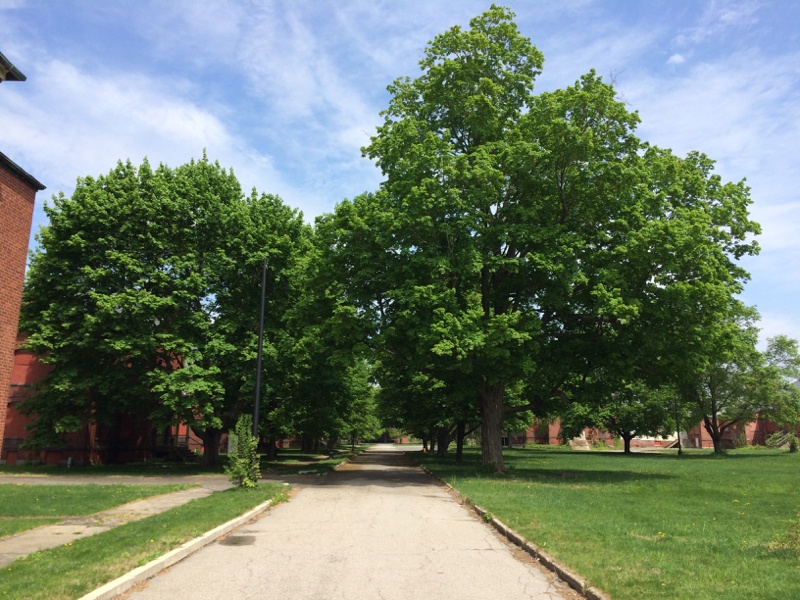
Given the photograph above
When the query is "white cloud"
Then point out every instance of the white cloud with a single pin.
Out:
(608, 48)
(774, 324)
(67, 123)
(742, 110)
(676, 59)
(718, 16)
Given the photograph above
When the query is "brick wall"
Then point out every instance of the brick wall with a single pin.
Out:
(17, 193)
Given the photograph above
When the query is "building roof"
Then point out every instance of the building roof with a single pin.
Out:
(8, 72)
(14, 168)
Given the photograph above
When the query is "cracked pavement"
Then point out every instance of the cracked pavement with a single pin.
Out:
(378, 527)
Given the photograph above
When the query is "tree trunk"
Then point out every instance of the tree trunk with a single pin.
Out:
(432, 438)
(443, 441)
(491, 405)
(460, 434)
(272, 447)
(712, 427)
(307, 444)
(211, 438)
(626, 436)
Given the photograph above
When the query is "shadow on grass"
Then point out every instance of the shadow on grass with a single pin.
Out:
(288, 461)
(292, 461)
(519, 468)
(154, 468)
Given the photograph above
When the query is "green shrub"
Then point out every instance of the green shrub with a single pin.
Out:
(243, 467)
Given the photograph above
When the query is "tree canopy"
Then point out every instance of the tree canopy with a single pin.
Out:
(144, 297)
(531, 240)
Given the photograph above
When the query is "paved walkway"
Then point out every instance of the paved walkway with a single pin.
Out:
(378, 528)
(51, 536)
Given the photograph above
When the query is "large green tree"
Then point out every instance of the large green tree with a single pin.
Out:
(628, 410)
(143, 296)
(738, 383)
(536, 237)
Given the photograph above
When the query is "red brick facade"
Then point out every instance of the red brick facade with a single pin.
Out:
(17, 193)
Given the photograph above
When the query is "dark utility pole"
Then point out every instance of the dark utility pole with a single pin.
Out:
(260, 347)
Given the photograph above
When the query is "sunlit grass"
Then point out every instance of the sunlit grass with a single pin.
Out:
(650, 525)
(27, 506)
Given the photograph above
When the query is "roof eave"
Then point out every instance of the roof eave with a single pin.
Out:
(8, 72)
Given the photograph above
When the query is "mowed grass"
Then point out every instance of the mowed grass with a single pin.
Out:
(289, 461)
(78, 567)
(27, 506)
(650, 525)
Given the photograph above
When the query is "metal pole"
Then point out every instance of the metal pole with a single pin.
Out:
(260, 346)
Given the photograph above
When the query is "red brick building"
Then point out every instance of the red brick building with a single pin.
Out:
(17, 192)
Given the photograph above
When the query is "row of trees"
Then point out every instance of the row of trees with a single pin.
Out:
(526, 254)
(144, 297)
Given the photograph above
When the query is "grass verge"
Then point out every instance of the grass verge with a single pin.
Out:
(650, 525)
(291, 461)
(27, 506)
(76, 568)
(288, 462)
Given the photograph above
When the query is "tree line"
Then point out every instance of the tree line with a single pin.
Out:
(526, 254)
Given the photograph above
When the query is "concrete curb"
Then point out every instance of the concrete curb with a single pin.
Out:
(123, 584)
(575, 581)
(130, 579)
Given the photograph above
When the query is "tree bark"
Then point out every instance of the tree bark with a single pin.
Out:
(211, 438)
(712, 427)
(491, 405)
(460, 435)
(308, 444)
(626, 436)
(272, 448)
(443, 441)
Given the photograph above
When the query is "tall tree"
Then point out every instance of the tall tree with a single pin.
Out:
(528, 232)
(739, 384)
(144, 294)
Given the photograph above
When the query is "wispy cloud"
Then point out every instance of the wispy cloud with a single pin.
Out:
(718, 16)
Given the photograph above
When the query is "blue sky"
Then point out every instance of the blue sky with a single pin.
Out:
(287, 92)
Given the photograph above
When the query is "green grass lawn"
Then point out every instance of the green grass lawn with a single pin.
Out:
(27, 506)
(78, 567)
(651, 525)
(289, 461)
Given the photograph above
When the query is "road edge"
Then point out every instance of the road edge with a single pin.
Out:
(124, 583)
(575, 581)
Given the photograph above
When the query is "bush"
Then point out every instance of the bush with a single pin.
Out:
(243, 466)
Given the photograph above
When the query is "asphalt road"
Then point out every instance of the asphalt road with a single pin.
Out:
(377, 529)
